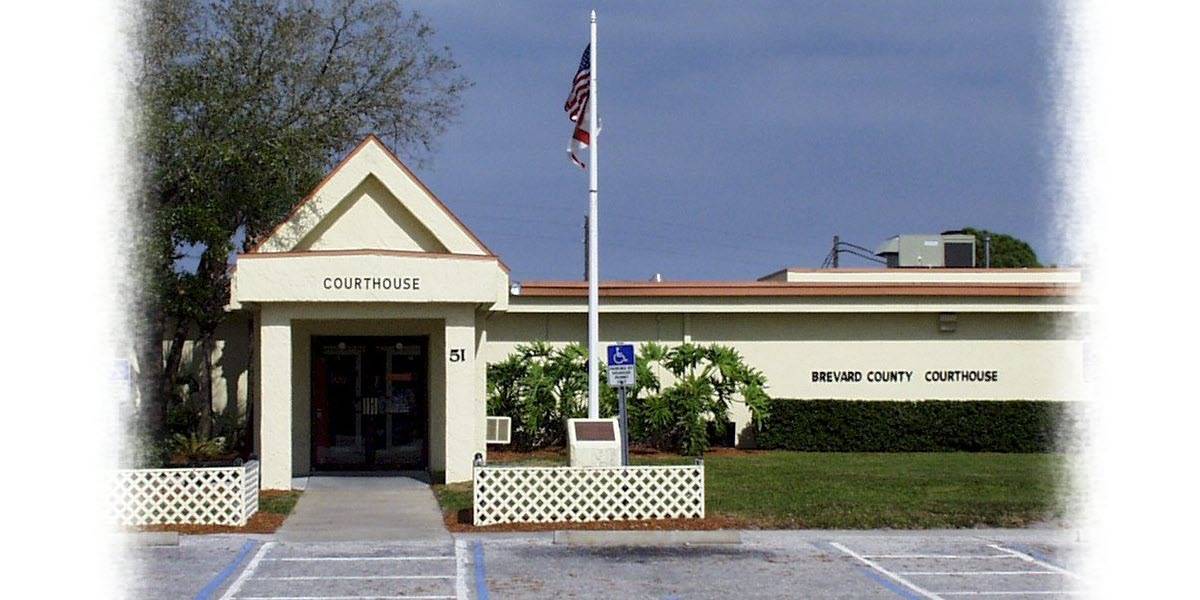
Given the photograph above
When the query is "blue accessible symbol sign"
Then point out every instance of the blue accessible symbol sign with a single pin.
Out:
(622, 365)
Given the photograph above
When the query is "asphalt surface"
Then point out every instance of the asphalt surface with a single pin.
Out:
(769, 564)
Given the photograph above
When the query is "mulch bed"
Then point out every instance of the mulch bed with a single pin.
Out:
(549, 454)
(461, 523)
(260, 523)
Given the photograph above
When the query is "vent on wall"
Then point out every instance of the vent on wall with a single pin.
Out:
(499, 430)
(948, 322)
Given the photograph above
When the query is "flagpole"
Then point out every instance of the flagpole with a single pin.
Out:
(593, 242)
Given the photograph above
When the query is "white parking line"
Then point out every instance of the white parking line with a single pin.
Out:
(978, 572)
(312, 577)
(241, 580)
(359, 558)
(939, 556)
(1016, 593)
(248, 573)
(460, 569)
(1006, 554)
(346, 597)
(1028, 558)
(874, 565)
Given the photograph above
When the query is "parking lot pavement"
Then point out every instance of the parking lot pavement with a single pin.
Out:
(183, 571)
(381, 570)
(535, 567)
(951, 567)
(228, 567)
(791, 564)
(767, 564)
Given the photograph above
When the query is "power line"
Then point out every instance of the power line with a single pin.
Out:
(840, 247)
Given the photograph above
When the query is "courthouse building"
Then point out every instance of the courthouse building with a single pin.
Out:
(361, 327)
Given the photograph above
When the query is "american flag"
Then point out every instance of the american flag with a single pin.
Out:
(577, 107)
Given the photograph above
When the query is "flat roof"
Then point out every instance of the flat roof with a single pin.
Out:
(928, 275)
(792, 288)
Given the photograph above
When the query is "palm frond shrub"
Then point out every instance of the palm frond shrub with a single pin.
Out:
(541, 387)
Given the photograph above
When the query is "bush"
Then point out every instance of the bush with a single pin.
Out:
(541, 387)
(706, 380)
(915, 426)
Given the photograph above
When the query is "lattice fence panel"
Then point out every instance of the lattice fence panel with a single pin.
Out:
(572, 494)
(203, 496)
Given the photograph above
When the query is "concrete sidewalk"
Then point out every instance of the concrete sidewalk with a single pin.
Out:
(364, 508)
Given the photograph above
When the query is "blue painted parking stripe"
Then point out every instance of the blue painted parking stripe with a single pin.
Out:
(900, 590)
(481, 591)
(219, 580)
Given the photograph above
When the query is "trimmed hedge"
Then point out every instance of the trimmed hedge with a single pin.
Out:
(915, 426)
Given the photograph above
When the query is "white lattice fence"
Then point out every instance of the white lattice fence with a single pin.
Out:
(564, 494)
(202, 496)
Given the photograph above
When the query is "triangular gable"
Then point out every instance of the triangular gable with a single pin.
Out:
(371, 217)
(372, 201)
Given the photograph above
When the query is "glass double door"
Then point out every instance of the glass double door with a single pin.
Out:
(370, 402)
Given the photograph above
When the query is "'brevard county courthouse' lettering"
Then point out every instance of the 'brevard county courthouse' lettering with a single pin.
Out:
(371, 283)
(937, 376)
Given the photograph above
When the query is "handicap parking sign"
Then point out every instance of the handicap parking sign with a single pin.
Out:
(622, 365)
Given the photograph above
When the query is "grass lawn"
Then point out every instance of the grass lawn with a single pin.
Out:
(278, 502)
(781, 489)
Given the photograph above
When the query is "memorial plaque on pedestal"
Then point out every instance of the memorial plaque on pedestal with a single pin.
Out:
(594, 442)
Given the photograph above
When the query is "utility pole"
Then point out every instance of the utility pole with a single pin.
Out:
(987, 251)
(836, 242)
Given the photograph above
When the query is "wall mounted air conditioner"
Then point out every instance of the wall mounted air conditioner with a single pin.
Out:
(499, 430)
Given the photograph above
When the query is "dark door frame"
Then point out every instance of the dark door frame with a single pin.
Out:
(315, 342)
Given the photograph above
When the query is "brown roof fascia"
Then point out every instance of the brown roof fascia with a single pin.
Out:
(779, 289)
(926, 269)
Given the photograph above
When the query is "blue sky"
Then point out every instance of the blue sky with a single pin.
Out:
(740, 137)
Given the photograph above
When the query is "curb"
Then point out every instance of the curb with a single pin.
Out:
(584, 537)
(153, 538)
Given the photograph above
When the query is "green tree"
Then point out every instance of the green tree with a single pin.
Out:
(1008, 252)
(243, 104)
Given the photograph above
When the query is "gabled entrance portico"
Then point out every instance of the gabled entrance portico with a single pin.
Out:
(371, 256)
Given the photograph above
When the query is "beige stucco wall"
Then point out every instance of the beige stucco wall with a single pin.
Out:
(323, 277)
(1034, 355)
(1037, 356)
(456, 406)
(229, 360)
(370, 217)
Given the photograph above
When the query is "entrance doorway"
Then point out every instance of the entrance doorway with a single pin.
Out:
(370, 403)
